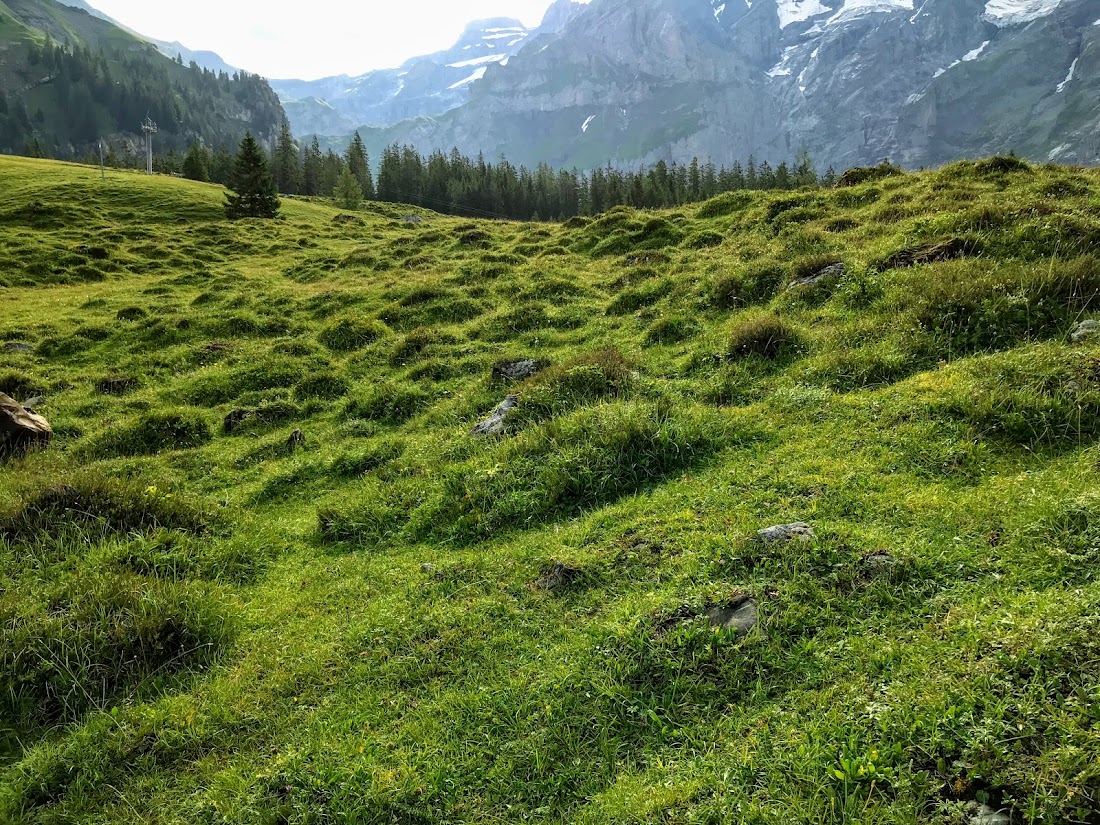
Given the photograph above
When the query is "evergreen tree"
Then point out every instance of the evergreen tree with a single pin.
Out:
(252, 182)
(359, 164)
(348, 192)
(196, 166)
(288, 174)
(312, 169)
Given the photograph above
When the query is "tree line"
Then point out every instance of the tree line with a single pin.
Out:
(456, 184)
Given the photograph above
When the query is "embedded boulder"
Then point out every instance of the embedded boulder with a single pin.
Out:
(834, 271)
(494, 424)
(20, 429)
(786, 532)
(516, 370)
(740, 616)
(1086, 329)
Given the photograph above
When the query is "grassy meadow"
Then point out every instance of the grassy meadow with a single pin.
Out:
(206, 619)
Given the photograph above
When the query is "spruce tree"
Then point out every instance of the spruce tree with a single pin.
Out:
(288, 174)
(252, 182)
(347, 192)
(359, 164)
(196, 166)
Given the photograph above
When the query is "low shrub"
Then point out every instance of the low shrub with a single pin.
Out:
(756, 283)
(151, 434)
(351, 333)
(594, 377)
(99, 506)
(388, 403)
(763, 336)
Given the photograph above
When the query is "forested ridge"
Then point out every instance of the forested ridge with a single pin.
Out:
(61, 98)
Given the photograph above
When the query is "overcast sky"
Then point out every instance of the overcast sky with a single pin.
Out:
(315, 38)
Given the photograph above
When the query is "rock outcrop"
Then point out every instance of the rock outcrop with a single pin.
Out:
(20, 429)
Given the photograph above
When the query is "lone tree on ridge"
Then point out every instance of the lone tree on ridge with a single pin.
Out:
(252, 184)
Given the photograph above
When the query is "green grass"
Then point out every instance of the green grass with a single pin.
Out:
(204, 620)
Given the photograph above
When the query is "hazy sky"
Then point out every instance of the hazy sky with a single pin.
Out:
(314, 38)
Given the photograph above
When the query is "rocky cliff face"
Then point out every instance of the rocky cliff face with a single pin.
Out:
(851, 81)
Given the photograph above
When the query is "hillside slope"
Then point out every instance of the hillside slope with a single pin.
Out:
(69, 79)
(266, 574)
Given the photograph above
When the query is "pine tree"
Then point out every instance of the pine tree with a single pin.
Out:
(252, 182)
(288, 174)
(312, 169)
(359, 164)
(348, 192)
(196, 166)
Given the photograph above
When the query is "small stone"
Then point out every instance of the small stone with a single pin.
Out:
(32, 404)
(834, 271)
(557, 576)
(20, 429)
(879, 565)
(15, 346)
(986, 815)
(427, 568)
(741, 615)
(786, 532)
(516, 370)
(297, 439)
(1086, 329)
(412, 219)
(494, 424)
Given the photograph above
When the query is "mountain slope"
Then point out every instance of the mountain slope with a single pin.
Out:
(849, 80)
(203, 59)
(69, 79)
(265, 573)
(426, 85)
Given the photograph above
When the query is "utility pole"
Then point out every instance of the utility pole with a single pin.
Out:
(150, 129)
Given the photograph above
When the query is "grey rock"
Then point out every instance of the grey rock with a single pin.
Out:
(494, 424)
(32, 404)
(741, 616)
(786, 532)
(427, 568)
(985, 815)
(297, 439)
(1086, 329)
(15, 346)
(834, 271)
(516, 370)
(412, 219)
(20, 429)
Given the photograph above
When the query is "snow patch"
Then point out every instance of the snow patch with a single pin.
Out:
(587, 123)
(976, 53)
(973, 54)
(1069, 77)
(1056, 152)
(858, 8)
(477, 75)
(796, 11)
(478, 61)
(783, 67)
(1016, 12)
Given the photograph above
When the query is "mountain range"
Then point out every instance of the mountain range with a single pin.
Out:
(636, 81)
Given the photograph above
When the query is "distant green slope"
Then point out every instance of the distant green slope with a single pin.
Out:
(69, 79)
